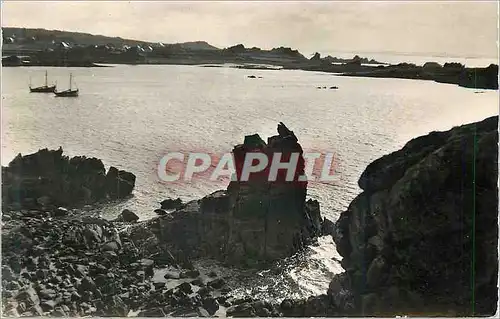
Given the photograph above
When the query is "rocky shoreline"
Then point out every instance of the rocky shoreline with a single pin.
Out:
(15, 61)
(38, 47)
(427, 213)
(65, 262)
(451, 73)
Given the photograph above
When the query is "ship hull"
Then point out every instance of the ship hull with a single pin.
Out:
(43, 89)
(67, 93)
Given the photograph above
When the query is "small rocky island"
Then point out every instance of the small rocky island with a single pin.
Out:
(421, 239)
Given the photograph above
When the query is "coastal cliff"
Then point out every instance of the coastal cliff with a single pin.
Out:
(421, 239)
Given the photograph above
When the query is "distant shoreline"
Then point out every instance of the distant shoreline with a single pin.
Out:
(55, 65)
(51, 48)
(451, 73)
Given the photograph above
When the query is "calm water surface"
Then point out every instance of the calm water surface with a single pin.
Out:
(130, 116)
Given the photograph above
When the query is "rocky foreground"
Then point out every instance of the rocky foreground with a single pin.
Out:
(420, 240)
(63, 262)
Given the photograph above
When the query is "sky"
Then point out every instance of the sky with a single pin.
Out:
(446, 28)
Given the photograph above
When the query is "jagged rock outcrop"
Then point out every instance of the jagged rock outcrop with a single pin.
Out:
(239, 48)
(316, 57)
(422, 237)
(171, 203)
(251, 222)
(354, 60)
(289, 52)
(48, 179)
(127, 216)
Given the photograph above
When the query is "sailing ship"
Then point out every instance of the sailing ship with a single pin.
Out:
(69, 92)
(43, 89)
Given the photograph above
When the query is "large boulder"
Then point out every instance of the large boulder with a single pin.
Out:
(119, 183)
(127, 216)
(47, 179)
(422, 237)
(171, 203)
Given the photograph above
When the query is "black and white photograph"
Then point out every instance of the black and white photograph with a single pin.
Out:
(249, 159)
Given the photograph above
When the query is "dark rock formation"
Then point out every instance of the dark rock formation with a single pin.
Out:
(119, 183)
(288, 52)
(160, 211)
(432, 66)
(422, 237)
(482, 78)
(49, 179)
(239, 48)
(354, 60)
(12, 60)
(171, 203)
(251, 222)
(127, 216)
(316, 57)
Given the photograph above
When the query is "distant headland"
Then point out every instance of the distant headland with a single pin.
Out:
(40, 47)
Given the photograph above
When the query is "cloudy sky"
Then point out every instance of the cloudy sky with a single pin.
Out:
(461, 28)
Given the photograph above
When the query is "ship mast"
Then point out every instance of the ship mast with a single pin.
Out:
(45, 78)
(70, 78)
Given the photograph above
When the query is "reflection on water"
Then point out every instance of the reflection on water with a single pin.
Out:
(130, 116)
